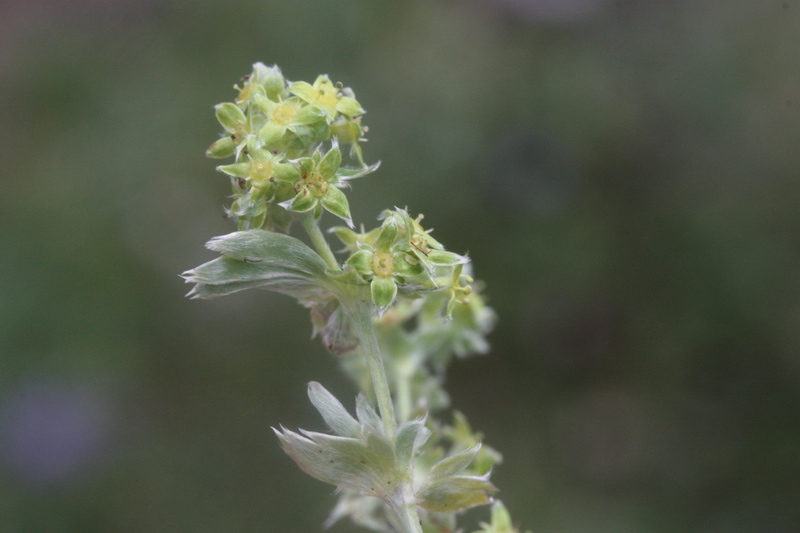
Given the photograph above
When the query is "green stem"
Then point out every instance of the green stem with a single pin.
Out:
(358, 305)
(407, 512)
(402, 385)
(318, 240)
(359, 309)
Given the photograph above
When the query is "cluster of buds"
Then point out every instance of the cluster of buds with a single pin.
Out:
(277, 131)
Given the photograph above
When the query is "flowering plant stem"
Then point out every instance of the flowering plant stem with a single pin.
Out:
(397, 310)
(318, 240)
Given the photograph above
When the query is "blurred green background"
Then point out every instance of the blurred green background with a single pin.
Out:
(623, 174)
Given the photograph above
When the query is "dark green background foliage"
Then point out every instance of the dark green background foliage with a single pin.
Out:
(623, 174)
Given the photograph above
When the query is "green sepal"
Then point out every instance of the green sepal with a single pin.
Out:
(303, 202)
(404, 268)
(349, 106)
(456, 493)
(443, 490)
(336, 202)
(309, 115)
(501, 520)
(305, 165)
(305, 136)
(304, 90)
(229, 115)
(263, 259)
(452, 465)
(239, 170)
(221, 148)
(443, 258)
(271, 133)
(286, 172)
(333, 412)
(387, 235)
(345, 173)
(348, 275)
(384, 291)
(330, 163)
(361, 261)
(265, 104)
(271, 78)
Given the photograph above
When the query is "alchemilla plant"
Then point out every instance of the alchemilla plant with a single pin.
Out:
(395, 306)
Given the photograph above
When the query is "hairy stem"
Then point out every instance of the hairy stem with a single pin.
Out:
(359, 309)
(318, 240)
(403, 388)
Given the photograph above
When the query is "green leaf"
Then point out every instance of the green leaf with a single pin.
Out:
(333, 412)
(364, 465)
(258, 258)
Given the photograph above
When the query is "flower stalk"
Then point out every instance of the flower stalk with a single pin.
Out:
(318, 240)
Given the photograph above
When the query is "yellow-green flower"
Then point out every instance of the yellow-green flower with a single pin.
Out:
(317, 186)
(386, 264)
(287, 115)
(236, 127)
(327, 97)
(260, 171)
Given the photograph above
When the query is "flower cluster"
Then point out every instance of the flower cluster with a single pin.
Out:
(286, 138)
(395, 311)
(400, 255)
